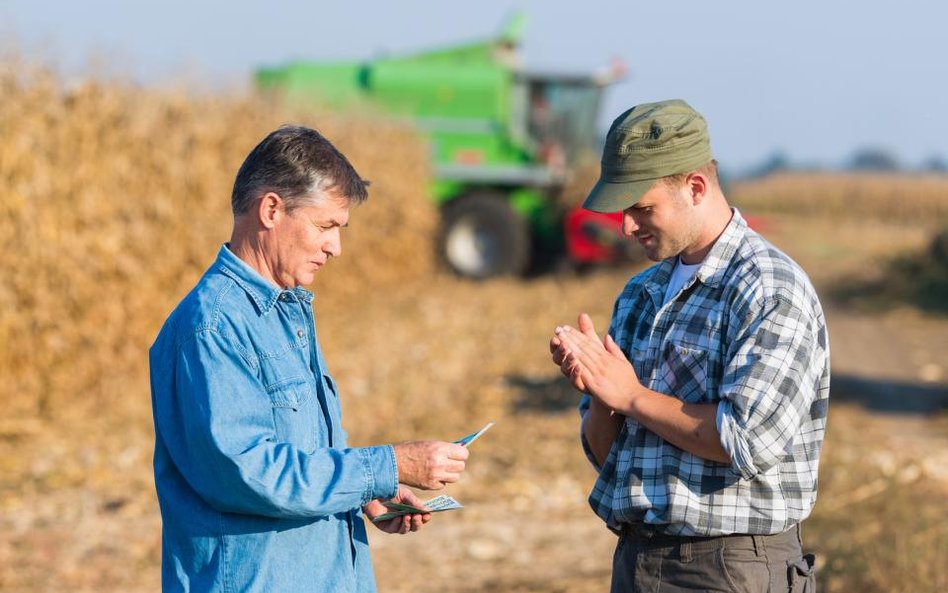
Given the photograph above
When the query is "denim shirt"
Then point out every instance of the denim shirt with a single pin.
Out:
(257, 489)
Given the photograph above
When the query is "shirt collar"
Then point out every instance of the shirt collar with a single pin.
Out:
(712, 269)
(261, 291)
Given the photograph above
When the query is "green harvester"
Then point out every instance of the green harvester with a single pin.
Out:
(501, 139)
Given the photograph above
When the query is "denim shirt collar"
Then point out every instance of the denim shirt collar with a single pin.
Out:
(261, 291)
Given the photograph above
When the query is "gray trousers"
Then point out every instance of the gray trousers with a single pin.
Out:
(649, 562)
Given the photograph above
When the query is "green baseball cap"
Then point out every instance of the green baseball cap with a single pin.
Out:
(644, 144)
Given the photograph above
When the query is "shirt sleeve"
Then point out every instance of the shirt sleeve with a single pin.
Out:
(583, 408)
(586, 400)
(220, 433)
(770, 381)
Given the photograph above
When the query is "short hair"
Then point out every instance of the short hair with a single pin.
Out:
(296, 163)
(709, 169)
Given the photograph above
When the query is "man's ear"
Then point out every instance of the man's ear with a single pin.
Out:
(698, 186)
(270, 209)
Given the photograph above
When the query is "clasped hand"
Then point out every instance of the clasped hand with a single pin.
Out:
(595, 366)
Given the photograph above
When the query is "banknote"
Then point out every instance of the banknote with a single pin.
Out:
(435, 505)
(465, 441)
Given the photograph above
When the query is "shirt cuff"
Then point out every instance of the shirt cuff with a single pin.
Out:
(586, 448)
(584, 402)
(734, 440)
(381, 472)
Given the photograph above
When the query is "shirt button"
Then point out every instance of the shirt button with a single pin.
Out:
(299, 333)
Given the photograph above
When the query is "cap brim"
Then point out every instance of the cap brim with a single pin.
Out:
(616, 197)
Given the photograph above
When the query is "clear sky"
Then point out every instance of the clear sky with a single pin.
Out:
(813, 79)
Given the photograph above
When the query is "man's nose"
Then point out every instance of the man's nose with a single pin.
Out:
(334, 245)
(629, 225)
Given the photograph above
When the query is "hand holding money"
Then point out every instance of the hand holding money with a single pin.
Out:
(399, 522)
(405, 512)
(429, 465)
(402, 509)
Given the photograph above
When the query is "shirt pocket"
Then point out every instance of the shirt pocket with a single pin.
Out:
(684, 372)
(294, 413)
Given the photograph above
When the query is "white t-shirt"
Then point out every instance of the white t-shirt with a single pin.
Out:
(680, 276)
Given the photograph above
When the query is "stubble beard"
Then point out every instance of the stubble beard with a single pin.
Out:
(665, 247)
(673, 245)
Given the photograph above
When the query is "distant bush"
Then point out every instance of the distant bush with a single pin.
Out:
(874, 159)
(918, 277)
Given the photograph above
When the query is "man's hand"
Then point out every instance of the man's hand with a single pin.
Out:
(402, 524)
(599, 366)
(609, 377)
(429, 465)
(559, 352)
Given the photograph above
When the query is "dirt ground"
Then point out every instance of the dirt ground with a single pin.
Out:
(77, 511)
(548, 539)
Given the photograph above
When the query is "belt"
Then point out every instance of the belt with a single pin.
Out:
(652, 536)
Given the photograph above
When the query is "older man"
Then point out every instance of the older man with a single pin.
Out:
(257, 487)
(706, 402)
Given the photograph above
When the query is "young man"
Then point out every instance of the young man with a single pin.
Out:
(257, 487)
(705, 405)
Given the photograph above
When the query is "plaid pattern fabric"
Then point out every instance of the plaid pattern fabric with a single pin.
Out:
(748, 333)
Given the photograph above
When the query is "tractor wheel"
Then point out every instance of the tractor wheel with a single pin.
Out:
(482, 236)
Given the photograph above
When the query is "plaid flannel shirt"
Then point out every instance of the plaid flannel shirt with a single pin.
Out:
(747, 333)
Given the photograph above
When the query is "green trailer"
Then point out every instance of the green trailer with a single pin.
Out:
(501, 139)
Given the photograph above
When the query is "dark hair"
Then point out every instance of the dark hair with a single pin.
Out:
(298, 164)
